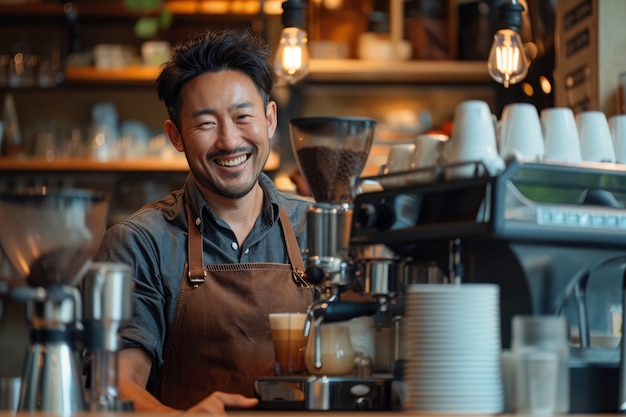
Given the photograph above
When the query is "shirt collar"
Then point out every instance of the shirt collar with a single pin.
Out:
(271, 199)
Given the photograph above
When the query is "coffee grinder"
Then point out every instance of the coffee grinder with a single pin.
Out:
(107, 305)
(331, 152)
(49, 237)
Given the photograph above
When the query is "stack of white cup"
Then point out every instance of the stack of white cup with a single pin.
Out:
(453, 346)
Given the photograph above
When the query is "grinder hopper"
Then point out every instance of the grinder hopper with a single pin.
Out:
(331, 152)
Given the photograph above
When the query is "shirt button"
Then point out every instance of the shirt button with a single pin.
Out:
(234, 245)
(198, 221)
(247, 250)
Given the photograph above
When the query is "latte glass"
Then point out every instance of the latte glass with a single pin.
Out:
(289, 342)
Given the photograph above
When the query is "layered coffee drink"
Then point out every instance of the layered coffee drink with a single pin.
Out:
(289, 342)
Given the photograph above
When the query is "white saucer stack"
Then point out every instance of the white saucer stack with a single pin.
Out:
(453, 349)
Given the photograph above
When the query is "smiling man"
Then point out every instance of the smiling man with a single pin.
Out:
(213, 259)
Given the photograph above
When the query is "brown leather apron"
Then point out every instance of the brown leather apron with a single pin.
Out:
(220, 338)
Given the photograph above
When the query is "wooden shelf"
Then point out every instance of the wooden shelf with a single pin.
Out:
(93, 165)
(93, 75)
(116, 9)
(354, 70)
(178, 164)
(348, 70)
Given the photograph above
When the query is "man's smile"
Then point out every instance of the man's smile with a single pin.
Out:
(232, 162)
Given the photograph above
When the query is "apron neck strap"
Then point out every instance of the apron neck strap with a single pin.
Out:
(197, 273)
(293, 250)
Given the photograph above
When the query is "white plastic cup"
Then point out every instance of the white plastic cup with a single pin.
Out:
(617, 126)
(537, 342)
(10, 393)
(536, 383)
(560, 135)
(596, 144)
(521, 135)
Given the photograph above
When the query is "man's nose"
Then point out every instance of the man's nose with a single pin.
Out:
(227, 136)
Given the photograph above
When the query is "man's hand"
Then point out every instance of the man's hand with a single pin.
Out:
(217, 402)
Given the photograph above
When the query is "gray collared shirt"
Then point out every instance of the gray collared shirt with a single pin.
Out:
(153, 241)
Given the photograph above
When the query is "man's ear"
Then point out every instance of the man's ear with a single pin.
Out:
(174, 135)
(270, 115)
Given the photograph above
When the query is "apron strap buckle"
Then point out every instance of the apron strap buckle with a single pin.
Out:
(298, 278)
(196, 278)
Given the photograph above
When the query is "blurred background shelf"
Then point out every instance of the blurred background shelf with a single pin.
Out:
(143, 164)
(355, 70)
(94, 75)
(322, 70)
(34, 164)
(117, 9)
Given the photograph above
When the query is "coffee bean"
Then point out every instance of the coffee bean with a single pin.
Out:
(330, 172)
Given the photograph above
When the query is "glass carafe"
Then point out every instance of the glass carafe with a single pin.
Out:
(337, 355)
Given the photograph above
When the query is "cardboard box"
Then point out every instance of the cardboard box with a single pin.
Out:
(590, 53)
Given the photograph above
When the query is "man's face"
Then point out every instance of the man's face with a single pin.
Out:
(225, 131)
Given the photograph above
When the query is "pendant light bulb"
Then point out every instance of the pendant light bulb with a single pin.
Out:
(507, 63)
(291, 62)
(507, 60)
(292, 56)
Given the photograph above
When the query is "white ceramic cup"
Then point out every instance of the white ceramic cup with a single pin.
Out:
(398, 160)
(617, 126)
(399, 157)
(521, 135)
(596, 144)
(560, 135)
(473, 139)
(428, 147)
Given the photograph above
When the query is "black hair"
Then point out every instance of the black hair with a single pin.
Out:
(214, 51)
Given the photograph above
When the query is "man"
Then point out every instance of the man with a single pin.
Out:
(213, 259)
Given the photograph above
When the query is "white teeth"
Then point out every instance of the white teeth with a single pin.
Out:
(232, 162)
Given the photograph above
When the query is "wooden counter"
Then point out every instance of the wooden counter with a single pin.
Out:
(253, 413)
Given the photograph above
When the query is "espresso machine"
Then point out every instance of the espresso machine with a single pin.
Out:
(49, 237)
(331, 153)
(552, 236)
